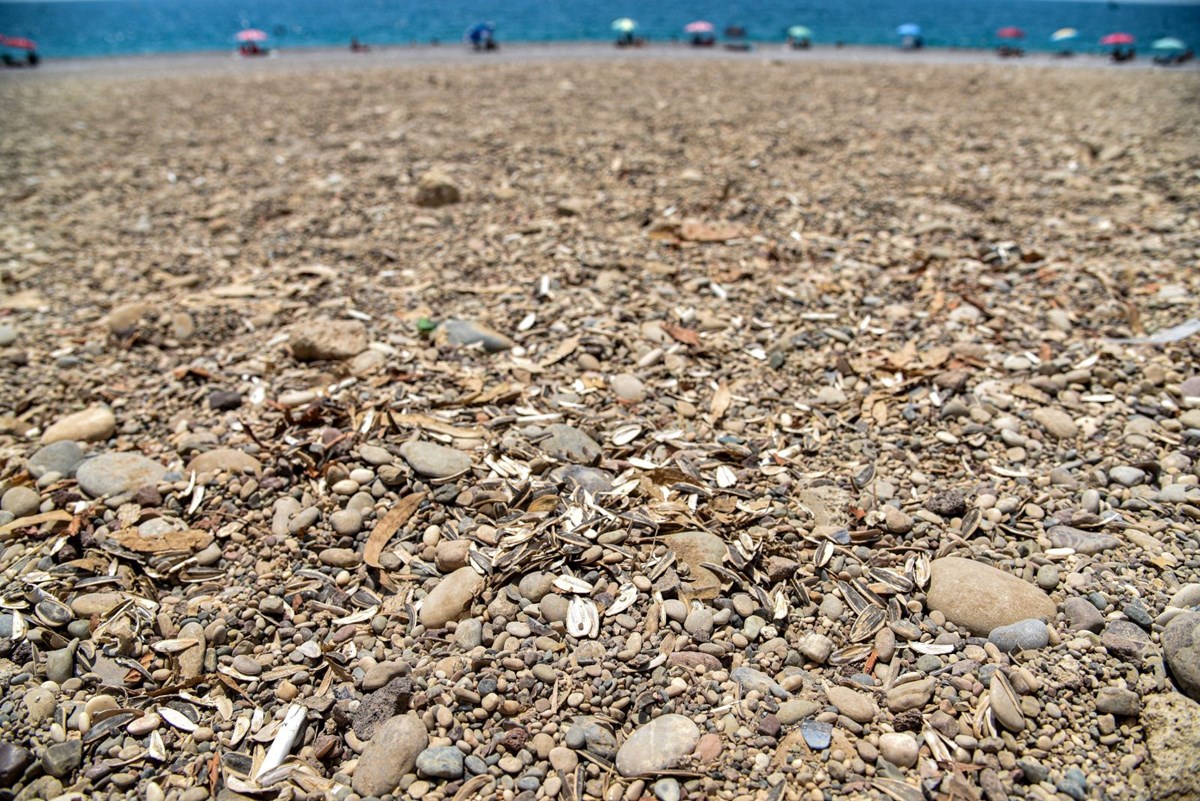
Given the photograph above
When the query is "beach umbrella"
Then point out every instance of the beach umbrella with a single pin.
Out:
(799, 32)
(20, 43)
(1063, 34)
(624, 25)
(909, 29)
(251, 35)
(480, 30)
(1011, 32)
(1169, 43)
(1117, 39)
(699, 26)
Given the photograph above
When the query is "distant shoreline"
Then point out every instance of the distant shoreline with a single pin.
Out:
(426, 55)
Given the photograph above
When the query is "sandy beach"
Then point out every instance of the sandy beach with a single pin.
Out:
(557, 425)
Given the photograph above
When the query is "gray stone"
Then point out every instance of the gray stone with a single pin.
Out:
(592, 479)
(339, 557)
(93, 424)
(469, 332)
(346, 522)
(60, 457)
(1127, 476)
(1171, 726)
(247, 665)
(570, 444)
(896, 521)
(899, 748)
(1085, 542)
(1118, 701)
(588, 734)
(1186, 596)
(390, 755)
(796, 710)
(855, 705)
(1024, 635)
(13, 761)
(667, 790)
(1056, 422)
(750, 679)
(116, 473)
(328, 340)
(699, 623)
(1125, 639)
(910, 695)
(1082, 615)
(628, 388)
(20, 501)
(979, 597)
(60, 664)
(442, 762)
(8, 335)
(816, 647)
(1181, 648)
(39, 703)
(657, 746)
(61, 760)
(450, 599)
(434, 461)
(375, 455)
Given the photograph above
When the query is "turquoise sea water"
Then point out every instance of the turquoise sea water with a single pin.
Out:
(113, 27)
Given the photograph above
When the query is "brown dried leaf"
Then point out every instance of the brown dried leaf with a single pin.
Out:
(58, 515)
(192, 539)
(396, 517)
(440, 426)
(698, 231)
(680, 334)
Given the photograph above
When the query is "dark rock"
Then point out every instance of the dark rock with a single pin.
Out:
(949, 504)
(224, 400)
(13, 761)
(61, 760)
(1125, 639)
(387, 702)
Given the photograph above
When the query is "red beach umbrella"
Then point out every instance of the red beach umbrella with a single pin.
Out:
(1117, 39)
(18, 42)
(1011, 32)
(251, 35)
(699, 26)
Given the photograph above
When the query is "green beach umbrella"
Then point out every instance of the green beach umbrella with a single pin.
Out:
(1063, 34)
(624, 25)
(799, 32)
(1168, 43)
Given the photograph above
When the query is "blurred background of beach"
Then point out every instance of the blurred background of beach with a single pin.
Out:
(126, 27)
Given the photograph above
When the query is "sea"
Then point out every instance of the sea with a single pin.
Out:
(81, 28)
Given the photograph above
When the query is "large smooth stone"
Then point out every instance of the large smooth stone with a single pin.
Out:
(693, 548)
(115, 473)
(1181, 647)
(390, 756)
(979, 597)
(328, 340)
(91, 425)
(657, 746)
(451, 597)
(435, 461)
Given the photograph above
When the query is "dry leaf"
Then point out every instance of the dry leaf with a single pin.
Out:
(192, 539)
(680, 334)
(564, 349)
(440, 426)
(58, 515)
(396, 517)
(721, 401)
(697, 231)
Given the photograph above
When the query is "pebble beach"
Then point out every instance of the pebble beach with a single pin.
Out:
(604, 428)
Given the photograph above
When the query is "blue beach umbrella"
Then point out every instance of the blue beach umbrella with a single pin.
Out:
(480, 30)
(909, 29)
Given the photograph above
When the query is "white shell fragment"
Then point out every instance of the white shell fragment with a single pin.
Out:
(582, 618)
